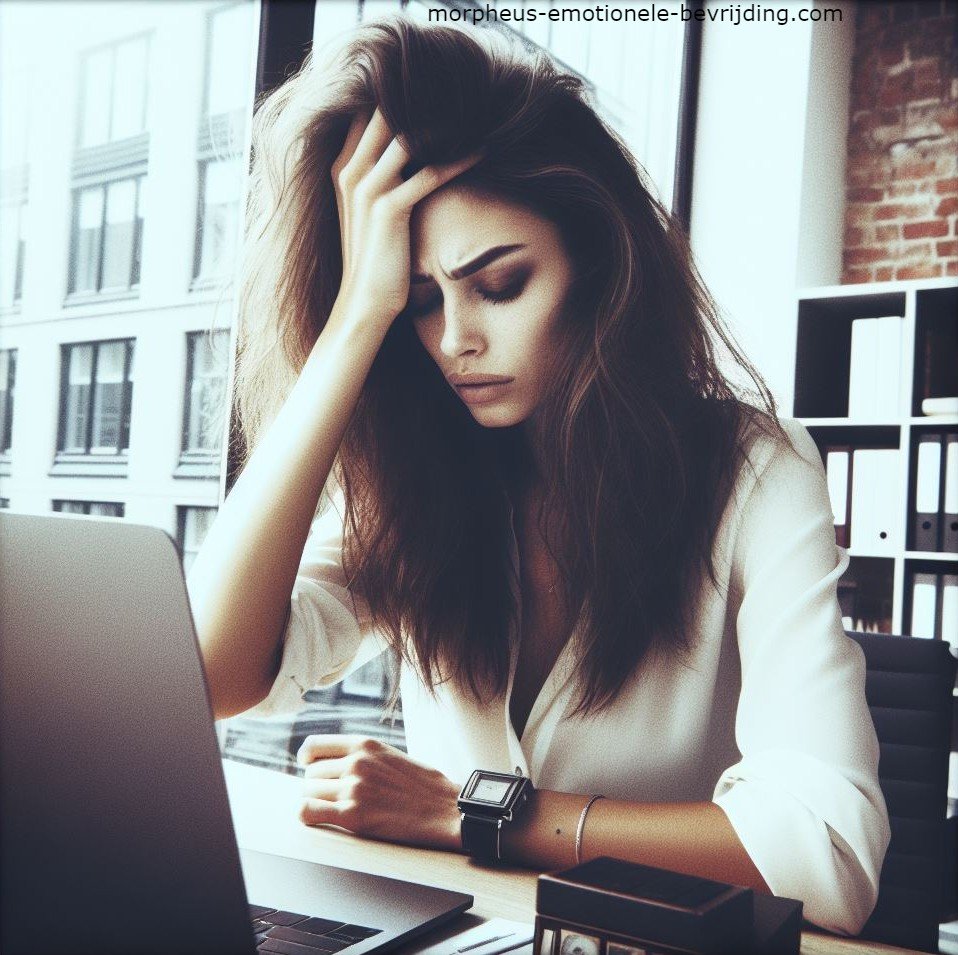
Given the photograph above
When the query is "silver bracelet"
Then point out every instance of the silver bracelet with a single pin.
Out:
(581, 827)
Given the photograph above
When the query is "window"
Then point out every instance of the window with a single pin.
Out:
(192, 523)
(4, 503)
(230, 61)
(95, 397)
(114, 82)
(217, 231)
(634, 69)
(12, 249)
(107, 236)
(95, 508)
(222, 136)
(203, 419)
(8, 375)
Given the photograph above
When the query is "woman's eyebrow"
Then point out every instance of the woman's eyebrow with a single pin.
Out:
(479, 262)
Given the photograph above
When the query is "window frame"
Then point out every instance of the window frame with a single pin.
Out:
(200, 462)
(132, 289)
(112, 46)
(182, 514)
(199, 279)
(126, 403)
(6, 425)
(56, 505)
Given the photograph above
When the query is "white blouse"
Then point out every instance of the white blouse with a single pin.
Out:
(767, 718)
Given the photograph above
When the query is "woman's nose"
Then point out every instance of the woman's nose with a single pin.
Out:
(461, 331)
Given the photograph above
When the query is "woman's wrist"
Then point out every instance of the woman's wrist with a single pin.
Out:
(356, 312)
(449, 821)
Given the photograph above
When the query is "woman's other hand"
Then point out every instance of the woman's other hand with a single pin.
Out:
(376, 790)
(375, 206)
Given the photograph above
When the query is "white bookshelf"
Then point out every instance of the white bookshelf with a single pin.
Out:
(929, 367)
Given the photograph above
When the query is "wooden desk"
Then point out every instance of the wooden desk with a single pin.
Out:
(265, 807)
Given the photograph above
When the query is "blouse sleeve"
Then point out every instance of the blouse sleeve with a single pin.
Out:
(326, 636)
(804, 799)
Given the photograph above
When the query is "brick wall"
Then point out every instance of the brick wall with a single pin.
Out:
(902, 179)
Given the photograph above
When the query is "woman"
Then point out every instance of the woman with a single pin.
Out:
(607, 570)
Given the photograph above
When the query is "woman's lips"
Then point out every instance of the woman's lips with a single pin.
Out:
(483, 394)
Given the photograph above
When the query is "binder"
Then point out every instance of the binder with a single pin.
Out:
(949, 521)
(949, 609)
(874, 527)
(927, 492)
(862, 383)
(888, 368)
(838, 471)
(924, 598)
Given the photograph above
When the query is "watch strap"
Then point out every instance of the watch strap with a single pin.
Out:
(480, 837)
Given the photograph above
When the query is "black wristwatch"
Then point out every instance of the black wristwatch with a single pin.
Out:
(486, 802)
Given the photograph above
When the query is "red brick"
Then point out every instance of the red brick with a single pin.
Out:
(947, 117)
(931, 271)
(858, 214)
(898, 210)
(884, 273)
(929, 229)
(914, 253)
(951, 268)
(865, 195)
(887, 233)
(856, 276)
(853, 236)
(866, 255)
(914, 169)
(927, 70)
(898, 189)
(946, 186)
(890, 54)
(947, 207)
(946, 249)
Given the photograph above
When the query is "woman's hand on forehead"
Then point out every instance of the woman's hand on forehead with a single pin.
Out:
(375, 205)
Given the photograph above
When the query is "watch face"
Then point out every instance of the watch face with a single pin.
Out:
(490, 790)
(575, 944)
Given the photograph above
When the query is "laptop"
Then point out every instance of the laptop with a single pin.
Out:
(115, 829)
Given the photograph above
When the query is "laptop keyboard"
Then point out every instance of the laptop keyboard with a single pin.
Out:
(289, 933)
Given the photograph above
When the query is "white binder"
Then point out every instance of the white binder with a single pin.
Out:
(862, 383)
(949, 516)
(836, 469)
(949, 608)
(927, 517)
(924, 595)
(875, 501)
(888, 369)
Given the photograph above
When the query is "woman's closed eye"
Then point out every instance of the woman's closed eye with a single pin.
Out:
(496, 292)
(504, 293)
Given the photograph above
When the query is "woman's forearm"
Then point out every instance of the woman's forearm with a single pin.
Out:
(696, 838)
(242, 577)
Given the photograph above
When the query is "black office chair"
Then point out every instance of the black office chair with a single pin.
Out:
(909, 686)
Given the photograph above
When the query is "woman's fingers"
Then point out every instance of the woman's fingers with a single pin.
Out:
(375, 138)
(319, 812)
(329, 768)
(356, 129)
(430, 178)
(332, 745)
(385, 174)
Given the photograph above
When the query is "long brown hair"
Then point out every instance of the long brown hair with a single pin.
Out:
(643, 433)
